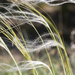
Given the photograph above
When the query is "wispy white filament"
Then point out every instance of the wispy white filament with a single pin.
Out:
(47, 45)
(19, 17)
(49, 2)
(25, 65)
(10, 16)
(37, 43)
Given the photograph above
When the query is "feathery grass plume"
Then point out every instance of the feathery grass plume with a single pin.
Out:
(38, 45)
(49, 2)
(26, 13)
(26, 65)
(9, 33)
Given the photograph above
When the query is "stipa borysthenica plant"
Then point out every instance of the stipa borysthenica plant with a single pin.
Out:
(21, 12)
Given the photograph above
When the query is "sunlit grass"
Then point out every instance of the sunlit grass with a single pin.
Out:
(25, 13)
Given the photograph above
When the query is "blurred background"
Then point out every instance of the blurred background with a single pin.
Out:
(64, 18)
